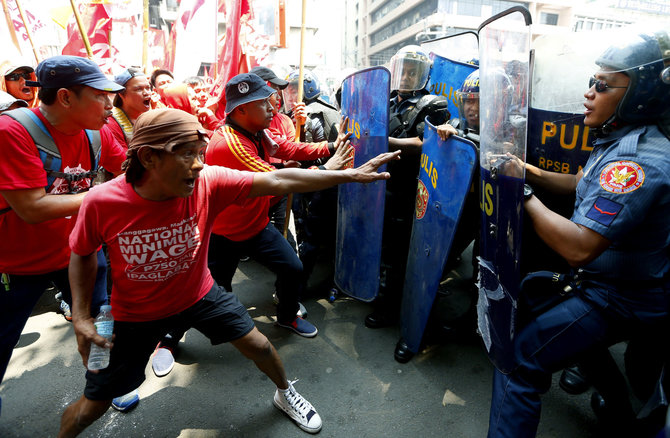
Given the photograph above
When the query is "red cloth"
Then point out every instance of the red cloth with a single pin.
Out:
(116, 131)
(96, 19)
(33, 249)
(157, 250)
(282, 127)
(176, 96)
(232, 149)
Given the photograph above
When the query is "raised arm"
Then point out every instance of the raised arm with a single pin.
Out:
(305, 180)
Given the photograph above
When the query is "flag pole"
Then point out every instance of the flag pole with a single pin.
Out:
(28, 32)
(145, 37)
(10, 25)
(215, 67)
(82, 32)
(298, 128)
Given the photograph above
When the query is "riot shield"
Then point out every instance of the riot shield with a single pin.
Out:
(504, 57)
(360, 207)
(450, 56)
(445, 178)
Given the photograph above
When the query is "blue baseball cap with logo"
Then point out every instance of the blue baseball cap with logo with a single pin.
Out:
(66, 71)
(245, 88)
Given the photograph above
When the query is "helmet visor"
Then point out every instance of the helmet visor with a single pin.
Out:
(409, 74)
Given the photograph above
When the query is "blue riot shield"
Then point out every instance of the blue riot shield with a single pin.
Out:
(360, 207)
(452, 58)
(445, 178)
(503, 84)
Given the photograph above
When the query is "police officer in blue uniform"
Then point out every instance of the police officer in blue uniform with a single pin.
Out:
(618, 235)
(410, 105)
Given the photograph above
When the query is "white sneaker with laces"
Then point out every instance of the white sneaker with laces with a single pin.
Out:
(298, 409)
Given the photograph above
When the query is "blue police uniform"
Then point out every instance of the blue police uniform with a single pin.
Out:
(624, 196)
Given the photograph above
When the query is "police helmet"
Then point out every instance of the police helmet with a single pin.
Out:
(410, 68)
(311, 89)
(644, 58)
(469, 91)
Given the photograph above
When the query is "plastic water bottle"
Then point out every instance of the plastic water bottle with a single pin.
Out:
(332, 295)
(98, 358)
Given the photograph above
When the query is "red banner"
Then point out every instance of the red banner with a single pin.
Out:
(97, 22)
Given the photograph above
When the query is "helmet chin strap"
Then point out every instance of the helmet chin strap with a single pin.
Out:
(606, 128)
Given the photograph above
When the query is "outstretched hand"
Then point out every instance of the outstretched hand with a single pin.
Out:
(342, 134)
(367, 173)
(343, 155)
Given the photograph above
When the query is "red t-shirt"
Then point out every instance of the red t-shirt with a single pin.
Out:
(232, 149)
(116, 130)
(157, 249)
(33, 249)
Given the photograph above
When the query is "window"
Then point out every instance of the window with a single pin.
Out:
(547, 18)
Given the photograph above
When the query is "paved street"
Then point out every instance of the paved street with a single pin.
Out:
(347, 372)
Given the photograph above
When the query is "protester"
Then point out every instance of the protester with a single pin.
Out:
(13, 81)
(165, 173)
(198, 85)
(161, 78)
(134, 100)
(618, 235)
(37, 206)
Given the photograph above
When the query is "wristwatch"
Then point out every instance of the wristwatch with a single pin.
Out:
(527, 192)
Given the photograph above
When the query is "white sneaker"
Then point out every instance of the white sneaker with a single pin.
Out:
(298, 409)
(162, 361)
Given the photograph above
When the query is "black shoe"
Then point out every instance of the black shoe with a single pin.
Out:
(379, 319)
(615, 423)
(573, 381)
(402, 352)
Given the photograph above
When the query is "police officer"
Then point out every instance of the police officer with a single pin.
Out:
(315, 213)
(619, 236)
(409, 106)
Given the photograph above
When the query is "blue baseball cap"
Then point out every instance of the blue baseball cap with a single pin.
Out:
(245, 88)
(66, 71)
(127, 74)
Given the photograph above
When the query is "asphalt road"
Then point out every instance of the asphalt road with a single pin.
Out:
(347, 372)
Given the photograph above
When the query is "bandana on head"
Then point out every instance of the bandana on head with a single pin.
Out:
(166, 128)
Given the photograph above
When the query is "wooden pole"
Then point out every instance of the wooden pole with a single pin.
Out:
(28, 32)
(298, 128)
(82, 32)
(145, 38)
(10, 25)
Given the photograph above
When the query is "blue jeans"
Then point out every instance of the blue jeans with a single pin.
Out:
(270, 249)
(590, 321)
(19, 297)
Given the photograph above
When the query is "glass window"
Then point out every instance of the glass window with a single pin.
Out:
(547, 18)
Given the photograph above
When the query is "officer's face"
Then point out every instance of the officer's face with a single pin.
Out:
(471, 111)
(409, 77)
(600, 106)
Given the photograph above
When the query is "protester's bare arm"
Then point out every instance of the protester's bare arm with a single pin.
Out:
(577, 244)
(559, 183)
(408, 146)
(35, 205)
(285, 181)
(445, 131)
(82, 272)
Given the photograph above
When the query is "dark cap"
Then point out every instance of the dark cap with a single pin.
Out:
(127, 74)
(66, 71)
(166, 128)
(245, 88)
(270, 76)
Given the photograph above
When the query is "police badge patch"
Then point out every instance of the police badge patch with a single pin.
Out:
(421, 200)
(622, 177)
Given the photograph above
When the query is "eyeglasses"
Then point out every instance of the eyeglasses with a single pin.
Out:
(601, 85)
(15, 76)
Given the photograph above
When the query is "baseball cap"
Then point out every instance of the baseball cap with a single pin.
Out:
(245, 88)
(7, 100)
(270, 76)
(65, 71)
(127, 74)
(12, 68)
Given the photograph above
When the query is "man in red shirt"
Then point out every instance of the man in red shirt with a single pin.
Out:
(36, 218)
(242, 143)
(156, 223)
(129, 103)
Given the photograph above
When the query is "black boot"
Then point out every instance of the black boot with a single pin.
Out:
(573, 381)
(402, 352)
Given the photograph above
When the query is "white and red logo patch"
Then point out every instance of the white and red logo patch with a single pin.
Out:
(421, 200)
(622, 177)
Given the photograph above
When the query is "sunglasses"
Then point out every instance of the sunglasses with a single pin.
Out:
(601, 85)
(16, 76)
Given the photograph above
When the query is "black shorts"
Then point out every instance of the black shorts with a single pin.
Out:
(219, 315)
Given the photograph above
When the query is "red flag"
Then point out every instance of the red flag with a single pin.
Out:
(96, 20)
(231, 60)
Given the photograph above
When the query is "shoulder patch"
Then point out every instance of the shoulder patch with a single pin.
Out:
(604, 211)
(622, 177)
